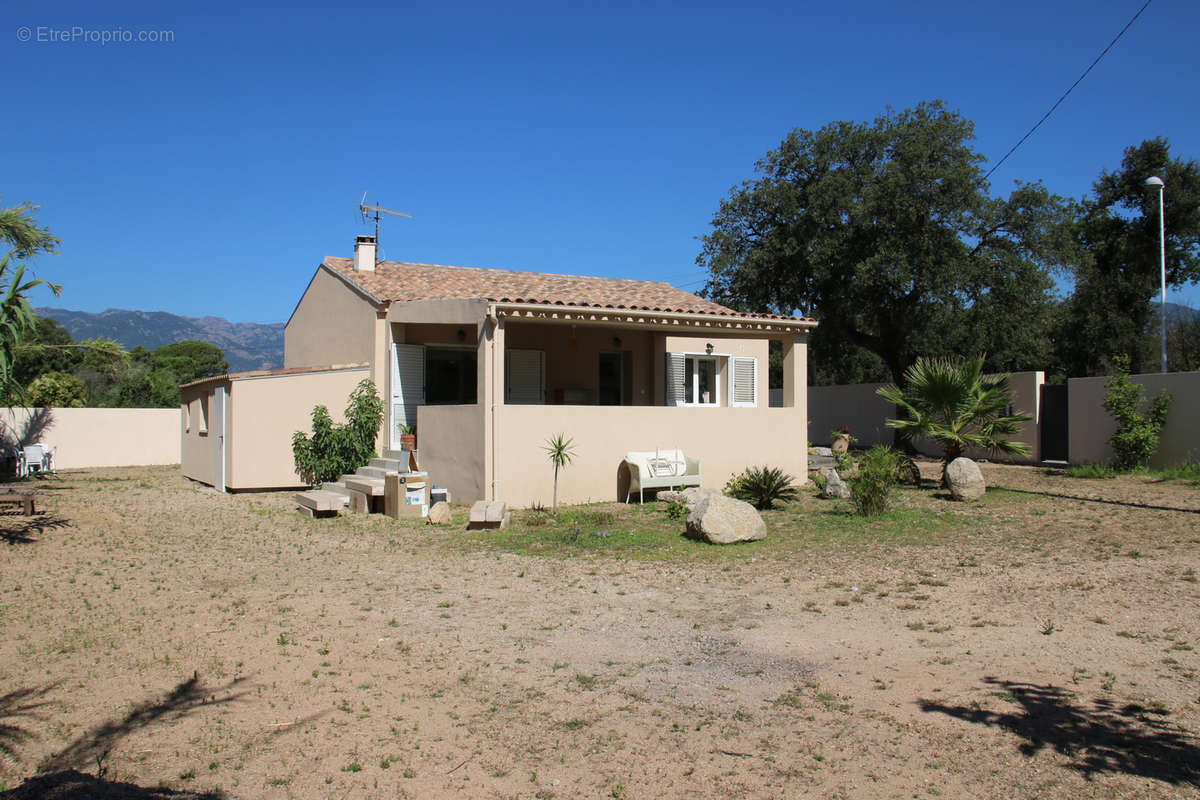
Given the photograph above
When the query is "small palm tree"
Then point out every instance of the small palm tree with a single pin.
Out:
(561, 450)
(952, 403)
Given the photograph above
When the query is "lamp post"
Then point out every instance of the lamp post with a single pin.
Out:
(1155, 183)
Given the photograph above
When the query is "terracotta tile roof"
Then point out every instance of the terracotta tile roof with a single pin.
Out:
(404, 281)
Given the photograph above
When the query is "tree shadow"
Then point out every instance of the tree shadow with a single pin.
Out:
(93, 746)
(16, 707)
(16, 528)
(1101, 500)
(74, 785)
(1104, 738)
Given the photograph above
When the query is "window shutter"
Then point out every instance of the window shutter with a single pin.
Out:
(524, 377)
(408, 386)
(675, 391)
(743, 376)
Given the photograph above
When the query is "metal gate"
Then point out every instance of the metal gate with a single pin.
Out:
(1054, 436)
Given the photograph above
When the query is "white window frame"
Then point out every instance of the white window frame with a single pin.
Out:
(716, 359)
(725, 376)
(733, 370)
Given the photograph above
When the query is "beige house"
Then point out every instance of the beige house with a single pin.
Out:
(489, 364)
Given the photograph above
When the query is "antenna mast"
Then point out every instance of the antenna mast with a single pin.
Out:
(374, 212)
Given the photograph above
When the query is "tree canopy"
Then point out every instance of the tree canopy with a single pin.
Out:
(1111, 310)
(887, 235)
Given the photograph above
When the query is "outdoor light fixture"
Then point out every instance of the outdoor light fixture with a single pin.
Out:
(462, 335)
(708, 348)
(616, 341)
(1155, 183)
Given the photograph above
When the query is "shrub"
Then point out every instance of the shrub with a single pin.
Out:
(335, 450)
(762, 487)
(1136, 439)
(879, 469)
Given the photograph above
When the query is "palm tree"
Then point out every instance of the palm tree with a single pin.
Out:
(952, 403)
(561, 450)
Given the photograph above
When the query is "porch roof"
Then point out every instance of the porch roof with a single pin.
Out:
(405, 282)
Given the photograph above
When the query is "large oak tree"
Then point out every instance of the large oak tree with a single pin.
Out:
(886, 234)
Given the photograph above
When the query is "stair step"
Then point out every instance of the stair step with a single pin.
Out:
(337, 487)
(389, 464)
(372, 472)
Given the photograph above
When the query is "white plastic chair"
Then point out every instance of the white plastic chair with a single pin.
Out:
(35, 456)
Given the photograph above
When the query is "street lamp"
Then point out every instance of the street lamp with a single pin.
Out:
(1155, 183)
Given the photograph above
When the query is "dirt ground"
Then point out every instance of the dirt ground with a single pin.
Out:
(159, 637)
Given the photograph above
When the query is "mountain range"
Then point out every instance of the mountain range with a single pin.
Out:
(247, 345)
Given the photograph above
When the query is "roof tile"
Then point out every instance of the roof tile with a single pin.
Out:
(405, 281)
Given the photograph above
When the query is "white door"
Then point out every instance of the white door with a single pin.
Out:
(408, 387)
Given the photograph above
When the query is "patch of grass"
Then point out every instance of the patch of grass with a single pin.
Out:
(645, 533)
(1090, 471)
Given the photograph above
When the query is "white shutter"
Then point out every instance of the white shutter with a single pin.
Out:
(675, 392)
(743, 379)
(408, 386)
(524, 377)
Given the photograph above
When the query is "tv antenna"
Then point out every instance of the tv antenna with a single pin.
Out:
(374, 212)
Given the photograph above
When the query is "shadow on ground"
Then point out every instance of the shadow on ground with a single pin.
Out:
(16, 528)
(1100, 739)
(17, 709)
(1086, 499)
(74, 785)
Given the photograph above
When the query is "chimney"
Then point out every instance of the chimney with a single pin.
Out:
(364, 253)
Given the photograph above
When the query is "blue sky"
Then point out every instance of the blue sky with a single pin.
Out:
(210, 175)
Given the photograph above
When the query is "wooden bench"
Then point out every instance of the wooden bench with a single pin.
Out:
(26, 497)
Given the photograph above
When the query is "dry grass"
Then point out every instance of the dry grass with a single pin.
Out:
(1038, 644)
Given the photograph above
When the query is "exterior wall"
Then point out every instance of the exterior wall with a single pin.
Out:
(726, 440)
(264, 412)
(198, 442)
(451, 449)
(1092, 426)
(99, 437)
(332, 324)
(860, 408)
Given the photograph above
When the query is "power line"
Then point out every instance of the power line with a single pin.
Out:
(1046, 116)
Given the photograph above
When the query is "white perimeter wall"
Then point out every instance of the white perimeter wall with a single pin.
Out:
(101, 437)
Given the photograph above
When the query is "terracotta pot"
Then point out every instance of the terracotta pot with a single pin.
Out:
(840, 444)
(408, 441)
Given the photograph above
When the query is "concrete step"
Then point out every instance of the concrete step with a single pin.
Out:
(372, 472)
(320, 503)
(388, 464)
(337, 487)
(371, 487)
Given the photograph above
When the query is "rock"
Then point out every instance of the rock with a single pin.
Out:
(820, 451)
(718, 519)
(964, 479)
(669, 496)
(439, 513)
(692, 496)
(834, 485)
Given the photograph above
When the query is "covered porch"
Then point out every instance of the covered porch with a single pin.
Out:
(486, 384)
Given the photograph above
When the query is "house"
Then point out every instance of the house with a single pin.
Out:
(488, 364)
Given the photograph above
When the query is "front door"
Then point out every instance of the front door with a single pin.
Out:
(611, 377)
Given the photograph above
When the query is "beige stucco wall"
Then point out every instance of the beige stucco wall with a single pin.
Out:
(727, 440)
(198, 444)
(859, 407)
(332, 324)
(100, 437)
(1091, 426)
(450, 446)
(264, 412)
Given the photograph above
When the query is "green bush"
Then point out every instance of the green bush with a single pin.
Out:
(762, 487)
(1136, 439)
(56, 390)
(336, 450)
(879, 469)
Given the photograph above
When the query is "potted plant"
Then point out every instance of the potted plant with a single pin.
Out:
(841, 440)
(408, 437)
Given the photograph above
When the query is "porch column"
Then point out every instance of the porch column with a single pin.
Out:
(490, 391)
(381, 375)
(795, 372)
